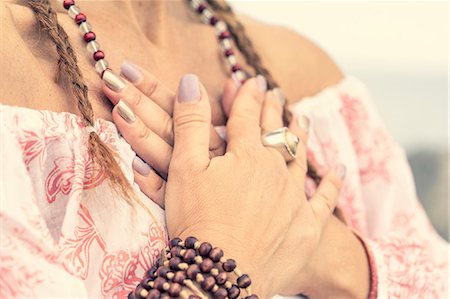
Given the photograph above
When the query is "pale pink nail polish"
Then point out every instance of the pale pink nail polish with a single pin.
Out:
(141, 167)
(130, 71)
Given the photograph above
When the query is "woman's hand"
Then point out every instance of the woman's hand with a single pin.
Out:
(150, 128)
(248, 201)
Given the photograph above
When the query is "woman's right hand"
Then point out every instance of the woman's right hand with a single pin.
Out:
(248, 202)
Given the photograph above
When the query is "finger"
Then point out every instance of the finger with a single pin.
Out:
(149, 85)
(243, 126)
(229, 94)
(192, 119)
(325, 199)
(146, 143)
(151, 114)
(299, 166)
(271, 114)
(150, 183)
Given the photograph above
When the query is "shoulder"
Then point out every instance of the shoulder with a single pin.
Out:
(296, 63)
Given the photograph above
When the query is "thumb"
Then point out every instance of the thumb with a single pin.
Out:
(192, 121)
(325, 199)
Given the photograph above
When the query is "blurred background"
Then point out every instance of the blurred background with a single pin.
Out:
(400, 50)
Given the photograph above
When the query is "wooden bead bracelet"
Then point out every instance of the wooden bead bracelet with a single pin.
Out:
(193, 270)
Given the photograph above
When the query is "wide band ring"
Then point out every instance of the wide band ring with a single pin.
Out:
(283, 141)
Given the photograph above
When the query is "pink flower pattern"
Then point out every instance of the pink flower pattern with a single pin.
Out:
(54, 158)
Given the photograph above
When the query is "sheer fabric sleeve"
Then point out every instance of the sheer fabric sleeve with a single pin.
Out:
(379, 199)
(29, 265)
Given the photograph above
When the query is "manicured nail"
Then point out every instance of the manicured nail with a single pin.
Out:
(125, 111)
(236, 81)
(341, 170)
(261, 83)
(130, 71)
(141, 167)
(278, 94)
(189, 89)
(113, 81)
(303, 123)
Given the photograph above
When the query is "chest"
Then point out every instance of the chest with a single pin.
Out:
(196, 50)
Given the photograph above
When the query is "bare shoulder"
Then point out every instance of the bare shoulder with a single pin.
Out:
(299, 66)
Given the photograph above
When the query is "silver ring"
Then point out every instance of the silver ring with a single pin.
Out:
(283, 141)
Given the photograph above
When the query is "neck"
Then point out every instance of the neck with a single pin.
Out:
(155, 19)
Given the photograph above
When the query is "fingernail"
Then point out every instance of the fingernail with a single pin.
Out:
(113, 81)
(141, 167)
(341, 171)
(130, 71)
(278, 93)
(261, 83)
(125, 111)
(189, 89)
(303, 123)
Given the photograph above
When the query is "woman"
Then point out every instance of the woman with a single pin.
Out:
(68, 220)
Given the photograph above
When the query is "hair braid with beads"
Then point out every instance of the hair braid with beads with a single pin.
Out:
(245, 46)
(103, 157)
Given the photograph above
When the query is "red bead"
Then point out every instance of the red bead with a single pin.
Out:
(229, 52)
(208, 283)
(201, 8)
(90, 36)
(174, 290)
(204, 249)
(179, 277)
(225, 34)
(213, 21)
(80, 18)
(190, 242)
(216, 254)
(221, 278)
(68, 3)
(221, 293)
(206, 265)
(99, 55)
(153, 294)
(244, 281)
(189, 256)
(234, 292)
(229, 265)
(236, 68)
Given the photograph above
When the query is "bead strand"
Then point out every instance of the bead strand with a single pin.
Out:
(92, 45)
(189, 270)
(224, 36)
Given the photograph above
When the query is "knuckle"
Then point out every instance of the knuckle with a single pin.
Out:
(151, 86)
(187, 120)
(143, 133)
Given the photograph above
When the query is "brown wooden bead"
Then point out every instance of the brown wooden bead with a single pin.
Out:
(221, 293)
(208, 283)
(162, 272)
(244, 281)
(229, 265)
(174, 262)
(206, 265)
(131, 296)
(189, 256)
(176, 251)
(221, 278)
(204, 249)
(145, 285)
(216, 254)
(138, 292)
(154, 294)
(151, 273)
(192, 271)
(159, 283)
(174, 290)
(174, 242)
(234, 292)
(190, 242)
(179, 277)
(252, 297)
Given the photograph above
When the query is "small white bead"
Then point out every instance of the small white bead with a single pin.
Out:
(239, 76)
(206, 16)
(220, 27)
(226, 44)
(195, 4)
(85, 27)
(231, 60)
(101, 66)
(73, 11)
(93, 46)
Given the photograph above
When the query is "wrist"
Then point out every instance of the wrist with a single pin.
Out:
(339, 268)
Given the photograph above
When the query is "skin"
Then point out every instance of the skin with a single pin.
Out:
(299, 76)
